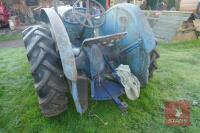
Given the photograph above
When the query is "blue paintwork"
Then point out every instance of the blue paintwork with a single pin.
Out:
(138, 43)
(97, 60)
(129, 18)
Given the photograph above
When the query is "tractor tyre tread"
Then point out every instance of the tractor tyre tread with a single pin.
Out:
(46, 70)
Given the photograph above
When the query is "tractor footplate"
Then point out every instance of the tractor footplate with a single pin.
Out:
(108, 90)
(105, 90)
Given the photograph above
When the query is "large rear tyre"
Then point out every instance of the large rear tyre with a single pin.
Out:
(46, 70)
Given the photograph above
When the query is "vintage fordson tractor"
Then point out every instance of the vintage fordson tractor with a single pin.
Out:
(81, 44)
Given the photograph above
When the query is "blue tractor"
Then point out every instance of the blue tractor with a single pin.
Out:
(79, 47)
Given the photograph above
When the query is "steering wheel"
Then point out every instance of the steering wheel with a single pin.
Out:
(91, 16)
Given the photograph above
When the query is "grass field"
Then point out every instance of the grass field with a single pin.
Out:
(8, 37)
(178, 78)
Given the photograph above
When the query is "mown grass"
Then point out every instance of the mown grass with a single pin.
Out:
(8, 37)
(178, 78)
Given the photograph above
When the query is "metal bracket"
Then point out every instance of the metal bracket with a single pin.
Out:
(121, 105)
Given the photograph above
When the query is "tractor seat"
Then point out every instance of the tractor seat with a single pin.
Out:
(102, 40)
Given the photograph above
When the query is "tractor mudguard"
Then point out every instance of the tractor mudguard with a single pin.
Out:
(48, 15)
(136, 46)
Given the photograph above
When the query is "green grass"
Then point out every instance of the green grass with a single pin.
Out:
(178, 78)
(8, 37)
